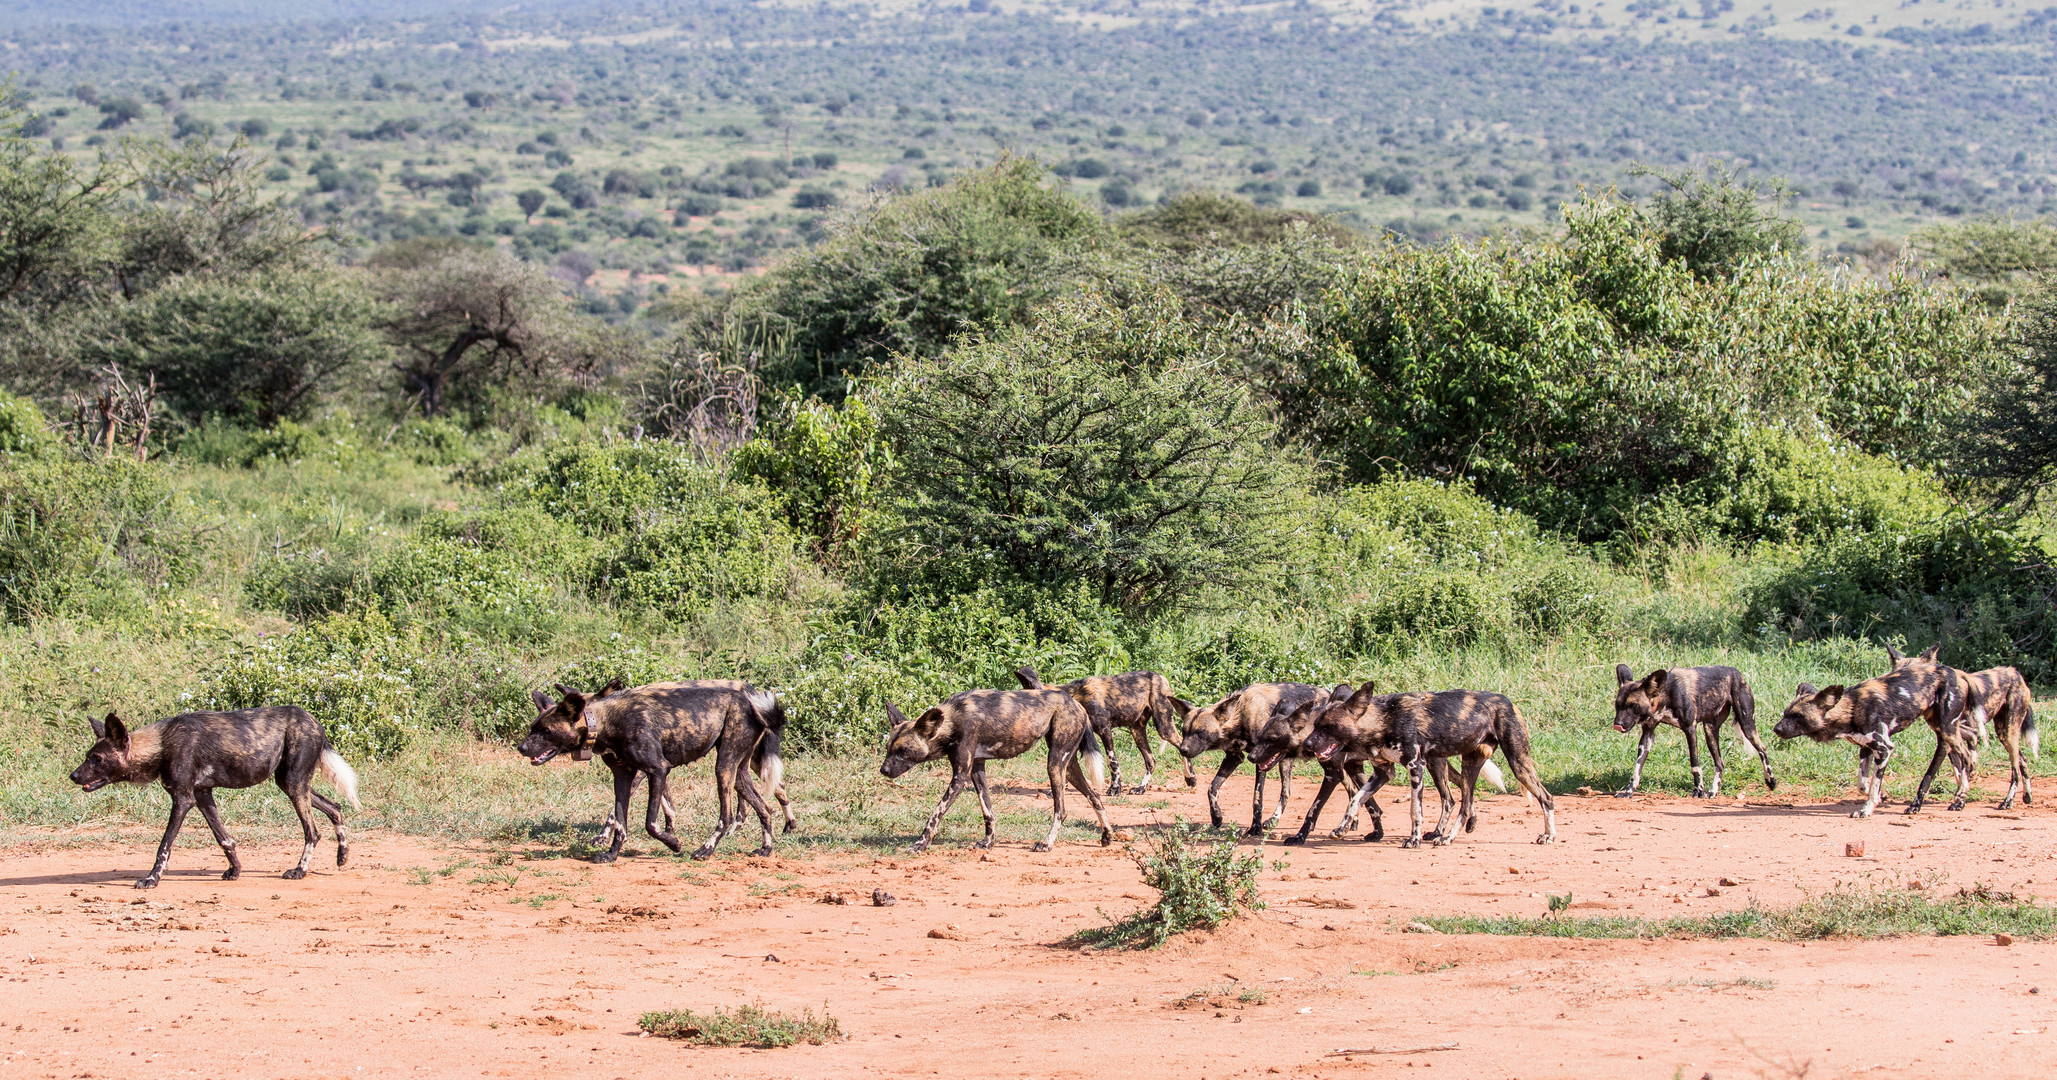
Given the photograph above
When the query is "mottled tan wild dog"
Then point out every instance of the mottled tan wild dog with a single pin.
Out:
(1138, 701)
(1687, 698)
(978, 726)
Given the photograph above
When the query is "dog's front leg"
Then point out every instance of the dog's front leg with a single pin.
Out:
(959, 777)
(1635, 776)
(1230, 761)
(1414, 771)
(1882, 752)
(617, 830)
(181, 805)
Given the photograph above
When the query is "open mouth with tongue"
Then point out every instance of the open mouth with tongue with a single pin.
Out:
(92, 785)
(544, 756)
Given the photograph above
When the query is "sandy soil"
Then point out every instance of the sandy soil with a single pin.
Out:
(483, 971)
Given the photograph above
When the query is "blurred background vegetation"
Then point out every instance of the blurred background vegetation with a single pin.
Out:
(372, 452)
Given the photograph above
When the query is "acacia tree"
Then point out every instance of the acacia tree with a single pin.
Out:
(465, 312)
(1104, 444)
(2011, 440)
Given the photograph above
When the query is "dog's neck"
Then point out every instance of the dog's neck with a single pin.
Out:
(143, 763)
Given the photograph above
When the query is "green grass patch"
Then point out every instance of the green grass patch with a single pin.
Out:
(1202, 889)
(1845, 911)
(745, 1025)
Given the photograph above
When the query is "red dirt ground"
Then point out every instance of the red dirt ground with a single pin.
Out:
(364, 972)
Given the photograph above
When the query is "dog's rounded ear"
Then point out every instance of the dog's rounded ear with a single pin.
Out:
(1184, 707)
(1894, 654)
(115, 732)
(896, 719)
(1624, 675)
(1656, 679)
(1805, 689)
(99, 729)
(542, 700)
(614, 686)
(1028, 678)
(1829, 695)
(574, 701)
(1932, 651)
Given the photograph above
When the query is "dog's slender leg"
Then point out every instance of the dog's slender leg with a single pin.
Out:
(978, 784)
(738, 768)
(1143, 739)
(1745, 711)
(181, 805)
(334, 812)
(1524, 765)
(1055, 766)
(1882, 745)
(618, 816)
(1439, 771)
(657, 812)
(1472, 764)
(1935, 765)
(1693, 762)
(958, 779)
(1635, 776)
(1414, 771)
(1711, 731)
(1257, 801)
(1231, 760)
(204, 798)
(1093, 799)
(1353, 782)
(1367, 798)
(1285, 776)
(2017, 772)
(303, 808)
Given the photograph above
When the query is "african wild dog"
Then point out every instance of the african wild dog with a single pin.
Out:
(1686, 698)
(1293, 731)
(1231, 726)
(650, 730)
(1138, 701)
(1421, 730)
(769, 766)
(2000, 696)
(1870, 713)
(977, 726)
(194, 753)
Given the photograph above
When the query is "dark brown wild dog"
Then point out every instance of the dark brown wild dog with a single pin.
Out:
(1294, 730)
(650, 730)
(770, 767)
(1870, 713)
(1138, 701)
(1421, 730)
(1231, 726)
(978, 726)
(1686, 698)
(194, 753)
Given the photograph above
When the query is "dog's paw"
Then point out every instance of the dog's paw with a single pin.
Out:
(1957, 804)
(1106, 837)
(1625, 793)
(1547, 838)
(342, 856)
(703, 853)
(1192, 781)
(231, 874)
(146, 883)
(1295, 840)
(1770, 782)
(791, 825)
(1411, 842)
(762, 851)
(1140, 789)
(1040, 846)
(605, 857)
(294, 874)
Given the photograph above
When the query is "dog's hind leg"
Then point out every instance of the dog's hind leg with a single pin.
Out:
(1935, 765)
(1257, 798)
(302, 799)
(181, 805)
(1711, 731)
(333, 810)
(1635, 776)
(617, 831)
(1473, 763)
(1693, 762)
(1331, 776)
(978, 785)
(1143, 739)
(1414, 772)
(1745, 710)
(1439, 771)
(1099, 805)
(204, 798)
(1875, 789)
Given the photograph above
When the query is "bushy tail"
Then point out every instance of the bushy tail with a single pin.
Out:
(1490, 773)
(1095, 759)
(2028, 725)
(771, 721)
(339, 773)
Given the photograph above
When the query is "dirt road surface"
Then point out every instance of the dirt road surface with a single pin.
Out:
(428, 959)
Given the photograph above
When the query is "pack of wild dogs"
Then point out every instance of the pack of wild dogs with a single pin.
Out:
(1445, 737)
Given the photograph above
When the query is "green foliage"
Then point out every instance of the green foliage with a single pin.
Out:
(2010, 441)
(1103, 444)
(89, 536)
(1588, 380)
(746, 1025)
(823, 462)
(23, 431)
(1997, 258)
(1201, 890)
(911, 275)
(1200, 220)
(261, 349)
(354, 672)
(1716, 222)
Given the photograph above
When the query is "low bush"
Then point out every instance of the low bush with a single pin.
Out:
(1201, 890)
(23, 430)
(746, 1025)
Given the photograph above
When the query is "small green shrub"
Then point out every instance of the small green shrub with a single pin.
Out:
(1561, 595)
(717, 548)
(1443, 608)
(746, 1025)
(822, 462)
(23, 430)
(354, 672)
(1200, 890)
(1251, 651)
(1450, 523)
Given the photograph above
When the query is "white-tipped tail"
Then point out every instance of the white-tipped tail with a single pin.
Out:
(338, 772)
(1490, 773)
(1096, 766)
(2035, 744)
(771, 769)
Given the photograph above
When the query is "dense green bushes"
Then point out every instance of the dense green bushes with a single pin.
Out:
(92, 537)
(1587, 379)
